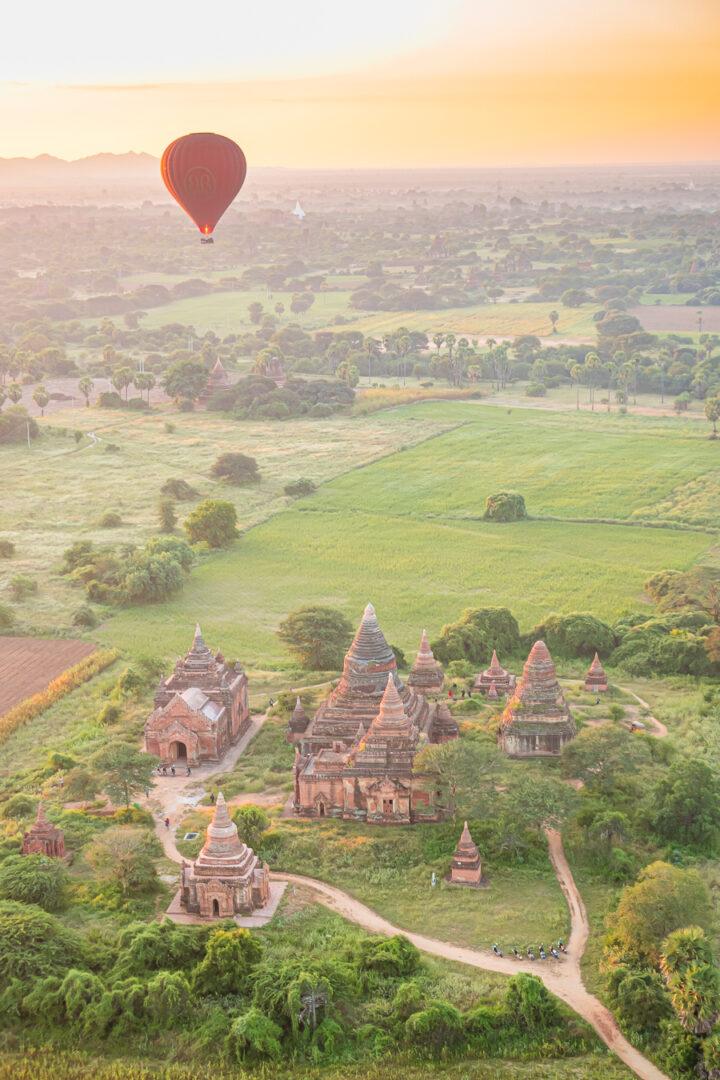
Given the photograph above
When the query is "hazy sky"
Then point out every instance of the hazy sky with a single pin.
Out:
(380, 82)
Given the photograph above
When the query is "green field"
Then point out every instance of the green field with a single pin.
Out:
(227, 312)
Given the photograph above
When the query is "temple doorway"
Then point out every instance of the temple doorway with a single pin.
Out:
(216, 909)
(388, 806)
(178, 750)
(321, 809)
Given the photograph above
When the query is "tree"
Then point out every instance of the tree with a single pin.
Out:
(81, 785)
(124, 855)
(255, 311)
(167, 515)
(168, 996)
(664, 898)
(33, 879)
(86, 386)
(464, 770)
(505, 506)
(601, 756)
(251, 821)
(255, 1037)
(144, 380)
(611, 827)
(554, 316)
(212, 522)
(185, 379)
(123, 770)
(348, 373)
(476, 634)
(438, 341)
(14, 392)
(437, 1030)
(121, 379)
(318, 636)
(686, 805)
(712, 413)
(238, 469)
(542, 802)
(230, 956)
(529, 1004)
(692, 979)
(41, 397)
(279, 308)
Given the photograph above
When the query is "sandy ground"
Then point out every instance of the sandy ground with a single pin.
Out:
(171, 798)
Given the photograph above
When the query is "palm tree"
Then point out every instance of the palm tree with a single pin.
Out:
(144, 380)
(592, 363)
(41, 398)
(554, 316)
(14, 392)
(85, 386)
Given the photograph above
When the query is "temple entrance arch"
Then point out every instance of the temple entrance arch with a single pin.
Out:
(388, 806)
(178, 750)
(216, 909)
(321, 809)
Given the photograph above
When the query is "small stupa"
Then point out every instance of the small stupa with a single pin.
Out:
(298, 722)
(444, 725)
(503, 680)
(426, 676)
(44, 838)
(596, 679)
(218, 381)
(492, 694)
(537, 721)
(466, 865)
(227, 878)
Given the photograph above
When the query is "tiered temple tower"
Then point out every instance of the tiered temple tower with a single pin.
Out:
(227, 877)
(596, 679)
(426, 676)
(297, 724)
(466, 865)
(200, 710)
(217, 382)
(43, 837)
(537, 721)
(496, 674)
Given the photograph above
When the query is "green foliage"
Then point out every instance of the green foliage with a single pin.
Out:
(254, 1037)
(34, 943)
(671, 644)
(33, 879)
(109, 399)
(22, 586)
(318, 636)
(85, 616)
(638, 998)
(159, 946)
(15, 423)
(19, 806)
(167, 516)
(230, 957)
(686, 806)
(110, 520)
(476, 634)
(7, 549)
(505, 506)
(395, 957)
(124, 770)
(529, 1004)
(574, 635)
(251, 821)
(300, 487)
(257, 397)
(212, 522)
(124, 856)
(235, 468)
(168, 997)
(110, 713)
(185, 379)
(692, 979)
(177, 488)
(600, 757)
(7, 616)
(437, 1031)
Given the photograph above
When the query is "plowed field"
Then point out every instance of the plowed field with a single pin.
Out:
(29, 665)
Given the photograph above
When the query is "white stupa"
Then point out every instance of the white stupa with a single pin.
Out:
(298, 211)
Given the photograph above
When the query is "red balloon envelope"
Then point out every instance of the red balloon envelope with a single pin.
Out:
(204, 173)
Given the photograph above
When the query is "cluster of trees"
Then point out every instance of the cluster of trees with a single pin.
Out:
(256, 397)
(129, 575)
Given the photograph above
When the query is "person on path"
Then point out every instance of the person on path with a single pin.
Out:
(172, 770)
(187, 770)
(212, 799)
(147, 791)
(516, 954)
(530, 953)
(496, 950)
(167, 823)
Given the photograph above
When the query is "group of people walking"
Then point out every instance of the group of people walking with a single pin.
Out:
(542, 953)
(163, 771)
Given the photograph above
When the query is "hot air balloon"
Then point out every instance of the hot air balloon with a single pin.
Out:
(203, 172)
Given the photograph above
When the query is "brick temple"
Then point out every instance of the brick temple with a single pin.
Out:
(495, 676)
(200, 710)
(44, 838)
(227, 878)
(596, 679)
(354, 759)
(426, 676)
(466, 866)
(537, 721)
(218, 381)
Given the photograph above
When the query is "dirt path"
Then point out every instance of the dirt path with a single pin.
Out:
(171, 798)
(659, 730)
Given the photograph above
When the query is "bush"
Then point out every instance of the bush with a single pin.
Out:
(15, 422)
(7, 617)
(166, 515)
(505, 506)
(33, 879)
(138, 404)
(7, 549)
(19, 806)
(109, 714)
(436, 1031)
(236, 469)
(575, 635)
(22, 586)
(177, 488)
(186, 405)
(110, 520)
(535, 389)
(317, 635)
(300, 487)
(109, 399)
(320, 411)
(476, 634)
(213, 522)
(169, 427)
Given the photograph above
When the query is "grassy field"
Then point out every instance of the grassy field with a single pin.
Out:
(227, 312)
(56, 492)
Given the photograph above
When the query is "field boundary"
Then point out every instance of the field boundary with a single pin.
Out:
(70, 679)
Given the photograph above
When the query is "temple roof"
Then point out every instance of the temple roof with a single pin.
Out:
(466, 851)
(369, 644)
(538, 692)
(425, 656)
(392, 721)
(596, 667)
(223, 852)
(41, 825)
(496, 669)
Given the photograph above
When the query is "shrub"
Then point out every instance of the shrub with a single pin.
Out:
(85, 616)
(186, 405)
(109, 399)
(254, 1036)
(437, 1030)
(320, 411)
(33, 879)
(303, 486)
(166, 515)
(111, 448)
(22, 586)
(317, 635)
(7, 549)
(476, 634)
(616, 712)
(575, 635)
(505, 506)
(7, 616)
(19, 806)
(139, 404)
(236, 469)
(529, 1004)
(169, 427)
(251, 821)
(110, 520)
(177, 488)
(213, 522)
(15, 423)
(535, 389)
(109, 714)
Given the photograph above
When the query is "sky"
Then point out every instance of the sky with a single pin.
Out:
(379, 83)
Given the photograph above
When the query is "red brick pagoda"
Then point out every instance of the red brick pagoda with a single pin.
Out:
(537, 721)
(503, 680)
(426, 676)
(298, 723)
(44, 838)
(218, 381)
(227, 877)
(200, 710)
(596, 679)
(466, 865)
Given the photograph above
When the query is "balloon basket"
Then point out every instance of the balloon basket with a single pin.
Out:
(207, 240)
